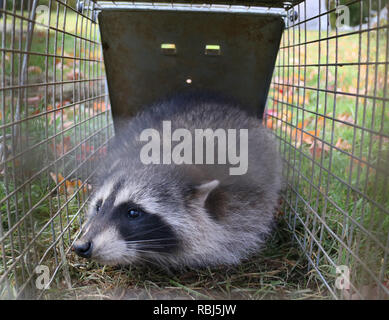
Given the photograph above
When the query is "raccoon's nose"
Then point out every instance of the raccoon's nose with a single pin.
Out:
(83, 248)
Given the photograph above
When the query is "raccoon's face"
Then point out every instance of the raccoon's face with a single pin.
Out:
(125, 224)
(141, 217)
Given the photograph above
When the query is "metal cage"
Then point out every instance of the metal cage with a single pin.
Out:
(327, 106)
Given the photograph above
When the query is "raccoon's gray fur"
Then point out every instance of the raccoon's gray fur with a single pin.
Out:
(182, 215)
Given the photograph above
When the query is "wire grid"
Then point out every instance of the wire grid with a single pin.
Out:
(328, 106)
(55, 124)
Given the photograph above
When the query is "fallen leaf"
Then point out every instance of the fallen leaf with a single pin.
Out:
(320, 121)
(302, 125)
(62, 147)
(307, 137)
(357, 162)
(269, 123)
(346, 117)
(343, 144)
(317, 148)
(70, 185)
(57, 179)
(99, 106)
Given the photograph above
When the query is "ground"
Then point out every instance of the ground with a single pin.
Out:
(279, 272)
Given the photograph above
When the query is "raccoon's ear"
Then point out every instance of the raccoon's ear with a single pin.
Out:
(202, 191)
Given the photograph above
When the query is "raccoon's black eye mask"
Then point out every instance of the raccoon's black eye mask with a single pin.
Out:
(98, 205)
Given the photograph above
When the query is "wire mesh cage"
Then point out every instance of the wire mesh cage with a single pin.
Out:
(327, 106)
(55, 121)
(329, 110)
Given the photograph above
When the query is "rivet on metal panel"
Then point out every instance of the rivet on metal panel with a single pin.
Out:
(212, 50)
(293, 16)
(168, 48)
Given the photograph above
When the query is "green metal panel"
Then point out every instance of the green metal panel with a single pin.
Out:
(142, 65)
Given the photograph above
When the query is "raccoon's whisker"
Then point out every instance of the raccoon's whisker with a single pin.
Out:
(149, 240)
(143, 259)
(145, 251)
(154, 245)
(158, 246)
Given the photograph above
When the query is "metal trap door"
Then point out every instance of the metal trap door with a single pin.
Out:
(150, 54)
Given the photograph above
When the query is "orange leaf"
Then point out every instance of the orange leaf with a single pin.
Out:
(62, 147)
(99, 106)
(317, 148)
(308, 139)
(302, 125)
(54, 177)
(320, 121)
(346, 117)
(269, 123)
(306, 136)
(358, 162)
(343, 144)
(70, 185)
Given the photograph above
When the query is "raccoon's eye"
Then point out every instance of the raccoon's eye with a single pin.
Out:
(134, 213)
(98, 205)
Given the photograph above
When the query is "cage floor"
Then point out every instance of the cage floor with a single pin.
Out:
(279, 272)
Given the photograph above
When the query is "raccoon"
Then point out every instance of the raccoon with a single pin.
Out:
(188, 214)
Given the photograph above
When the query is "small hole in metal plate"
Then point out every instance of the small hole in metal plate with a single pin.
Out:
(212, 50)
(168, 48)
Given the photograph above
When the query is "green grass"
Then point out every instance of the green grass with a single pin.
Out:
(279, 272)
